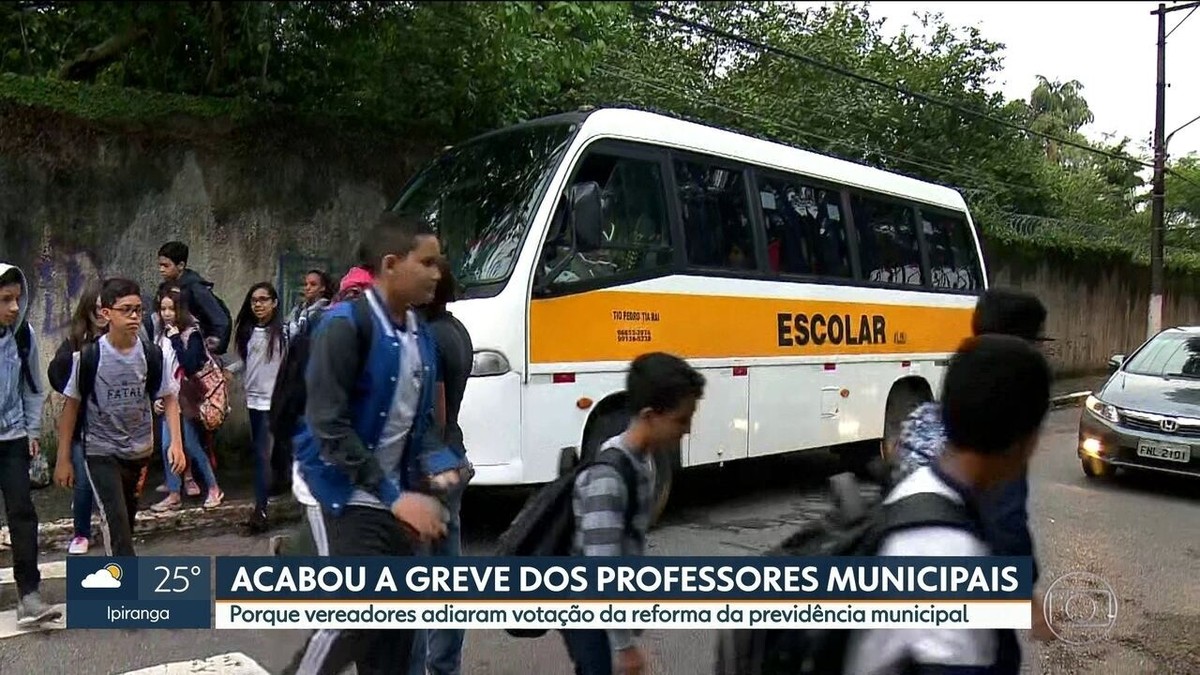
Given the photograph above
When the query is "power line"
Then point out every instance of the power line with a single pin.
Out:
(1185, 18)
(795, 56)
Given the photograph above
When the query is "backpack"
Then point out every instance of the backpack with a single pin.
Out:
(545, 525)
(855, 527)
(223, 345)
(208, 390)
(290, 396)
(24, 339)
(89, 363)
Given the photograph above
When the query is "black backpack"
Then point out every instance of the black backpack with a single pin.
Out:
(289, 397)
(545, 525)
(24, 339)
(855, 527)
(89, 363)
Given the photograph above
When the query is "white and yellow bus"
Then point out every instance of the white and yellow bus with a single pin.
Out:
(819, 298)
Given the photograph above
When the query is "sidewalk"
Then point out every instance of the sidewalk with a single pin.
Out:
(1072, 390)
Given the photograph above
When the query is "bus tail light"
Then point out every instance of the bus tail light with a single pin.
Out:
(487, 362)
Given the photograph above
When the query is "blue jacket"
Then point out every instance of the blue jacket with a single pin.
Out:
(348, 402)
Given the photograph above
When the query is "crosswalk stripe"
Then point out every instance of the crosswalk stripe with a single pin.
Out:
(233, 663)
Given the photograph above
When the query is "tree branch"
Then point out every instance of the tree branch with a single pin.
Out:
(94, 59)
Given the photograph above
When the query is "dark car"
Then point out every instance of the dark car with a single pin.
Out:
(1147, 416)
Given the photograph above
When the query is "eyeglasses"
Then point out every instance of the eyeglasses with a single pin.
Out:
(259, 300)
(129, 310)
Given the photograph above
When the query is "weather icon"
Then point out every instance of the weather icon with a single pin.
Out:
(108, 576)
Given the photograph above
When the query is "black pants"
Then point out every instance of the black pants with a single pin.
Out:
(114, 482)
(18, 509)
(589, 651)
(359, 531)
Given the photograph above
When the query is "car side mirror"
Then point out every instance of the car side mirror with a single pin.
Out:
(586, 215)
(1115, 363)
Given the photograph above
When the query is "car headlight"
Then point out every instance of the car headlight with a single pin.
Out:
(1102, 409)
(487, 362)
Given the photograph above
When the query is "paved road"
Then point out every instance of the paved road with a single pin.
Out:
(1134, 533)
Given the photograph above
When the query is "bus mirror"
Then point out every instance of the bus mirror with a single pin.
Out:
(586, 215)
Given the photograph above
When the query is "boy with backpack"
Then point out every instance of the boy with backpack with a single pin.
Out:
(20, 427)
(995, 397)
(368, 442)
(611, 515)
(113, 384)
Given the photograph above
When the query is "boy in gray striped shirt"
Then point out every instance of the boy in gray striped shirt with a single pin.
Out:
(661, 395)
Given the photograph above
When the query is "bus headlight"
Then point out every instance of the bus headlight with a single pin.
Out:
(1102, 409)
(487, 363)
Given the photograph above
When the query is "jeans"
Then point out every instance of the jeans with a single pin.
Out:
(359, 531)
(82, 500)
(114, 481)
(19, 511)
(589, 651)
(193, 449)
(260, 445)
(440, 650)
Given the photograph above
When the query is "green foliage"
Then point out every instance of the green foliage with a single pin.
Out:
(445, 71)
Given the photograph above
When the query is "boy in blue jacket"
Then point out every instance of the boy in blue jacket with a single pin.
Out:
(369, 446)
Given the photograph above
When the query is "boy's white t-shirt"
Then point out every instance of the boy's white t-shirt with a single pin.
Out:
(887, 651)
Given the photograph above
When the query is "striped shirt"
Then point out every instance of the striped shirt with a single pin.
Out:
(599, 502)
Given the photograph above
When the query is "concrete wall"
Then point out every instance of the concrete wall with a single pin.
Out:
(1096, 308)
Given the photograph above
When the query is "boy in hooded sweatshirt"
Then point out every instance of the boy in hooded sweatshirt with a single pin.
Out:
(21, 398)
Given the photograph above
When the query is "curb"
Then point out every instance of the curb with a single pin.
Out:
(54, 536)
(1068, 400)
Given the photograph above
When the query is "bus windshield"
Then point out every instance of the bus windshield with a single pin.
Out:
(481, 196)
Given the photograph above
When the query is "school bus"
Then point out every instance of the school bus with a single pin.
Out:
(820, 298)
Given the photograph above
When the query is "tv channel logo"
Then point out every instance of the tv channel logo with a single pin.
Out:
(1080, 608)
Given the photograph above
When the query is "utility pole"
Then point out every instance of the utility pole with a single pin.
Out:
(1158, 188)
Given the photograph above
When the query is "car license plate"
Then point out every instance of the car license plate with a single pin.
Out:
(1165, 451)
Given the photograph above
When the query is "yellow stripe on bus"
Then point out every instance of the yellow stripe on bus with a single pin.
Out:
(618, 326)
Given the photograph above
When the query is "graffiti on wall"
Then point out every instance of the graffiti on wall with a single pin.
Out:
(60, 280)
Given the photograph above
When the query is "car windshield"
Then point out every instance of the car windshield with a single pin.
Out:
(1168, 355)
(481, 196)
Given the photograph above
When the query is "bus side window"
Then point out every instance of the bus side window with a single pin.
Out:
(715, 216)
(887, 239)
(953, 260)
(805, 224)
(636, 229)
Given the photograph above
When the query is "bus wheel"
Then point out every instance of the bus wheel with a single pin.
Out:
(904, 399)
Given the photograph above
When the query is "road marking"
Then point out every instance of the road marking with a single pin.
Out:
(50, 570)
(9, 628)
(233, 663)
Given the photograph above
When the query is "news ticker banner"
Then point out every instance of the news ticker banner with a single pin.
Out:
(548, 593)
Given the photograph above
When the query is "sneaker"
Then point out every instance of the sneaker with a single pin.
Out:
(78, 546)
(32, 611)
(162, 488)
(215, 497)
(257, 524)
(171, 503)
(193, 490)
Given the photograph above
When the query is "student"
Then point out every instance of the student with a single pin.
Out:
(87, 325)
(117, 436)
(439, 652)
(260, 343)
(922, 438)
(995, 397)
(214, 319)
(318, 291)
(368, 440)
(21, 401)
(286, 409)
(179, 335)
(662, 392)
